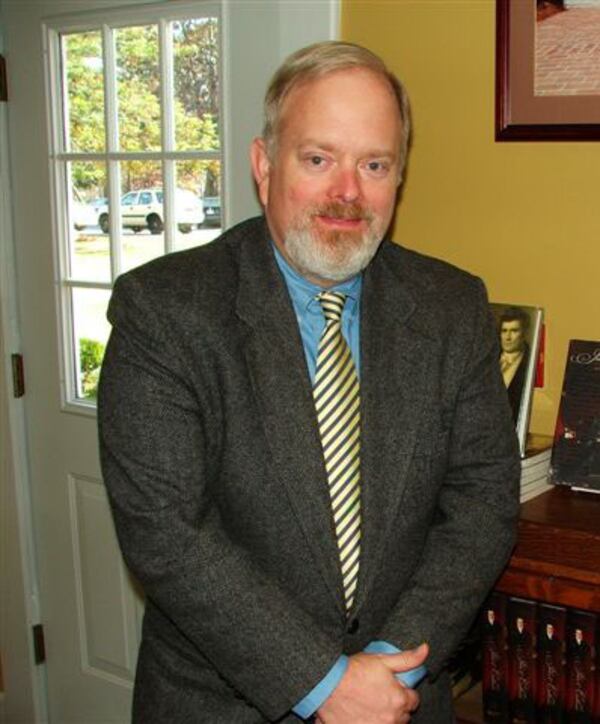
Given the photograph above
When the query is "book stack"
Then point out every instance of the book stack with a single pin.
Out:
(535, 467)
(539, 663)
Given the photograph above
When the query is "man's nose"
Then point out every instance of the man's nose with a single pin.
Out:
(346, 185)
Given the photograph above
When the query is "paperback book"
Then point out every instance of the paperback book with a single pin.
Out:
(535, 467)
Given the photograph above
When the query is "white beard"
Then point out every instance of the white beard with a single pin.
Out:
(336, 255)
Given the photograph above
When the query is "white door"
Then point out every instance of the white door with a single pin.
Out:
(101, 104)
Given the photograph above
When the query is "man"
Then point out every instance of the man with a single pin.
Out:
(292, 534)
(514, 323)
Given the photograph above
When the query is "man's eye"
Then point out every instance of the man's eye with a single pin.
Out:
(376, 166)
(316, 160)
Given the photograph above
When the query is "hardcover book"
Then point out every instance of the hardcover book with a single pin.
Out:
(576, 451)
(581, 656)
(551, 664)
(522, 660)
(494, 665)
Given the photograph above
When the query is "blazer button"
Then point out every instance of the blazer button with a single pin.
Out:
(353, 626)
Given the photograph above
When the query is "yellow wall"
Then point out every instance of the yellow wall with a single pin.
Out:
(523, 216)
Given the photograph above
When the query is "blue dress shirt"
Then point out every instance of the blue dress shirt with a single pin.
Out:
(311, 323)
(309, 312)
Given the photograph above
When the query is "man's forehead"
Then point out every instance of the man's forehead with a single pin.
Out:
(319, 87)
(322, 105)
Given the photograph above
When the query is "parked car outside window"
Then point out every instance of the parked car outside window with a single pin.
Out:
(143, 209)
(212, 210)
(83, 215)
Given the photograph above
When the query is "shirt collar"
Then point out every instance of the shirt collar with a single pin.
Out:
(305, 291)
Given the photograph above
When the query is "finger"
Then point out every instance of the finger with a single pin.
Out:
(413, 699)
(405, 660)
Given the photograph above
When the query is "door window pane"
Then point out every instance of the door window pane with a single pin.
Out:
(196, 82)
(84, 92)
(142, 212)
(89, 258)
(90, 332)
(138, 88)
(197, 203)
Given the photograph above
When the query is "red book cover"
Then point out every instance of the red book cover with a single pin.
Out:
(596, 718)
(551, 663)
(581, 655)
(494, 665)
(539, 370)
(522, 660)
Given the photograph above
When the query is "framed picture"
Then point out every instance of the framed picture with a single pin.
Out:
(547, 70)
(519, 331)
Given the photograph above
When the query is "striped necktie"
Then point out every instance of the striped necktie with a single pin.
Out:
(337, 400)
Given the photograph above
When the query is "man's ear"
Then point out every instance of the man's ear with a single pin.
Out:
(261, 168)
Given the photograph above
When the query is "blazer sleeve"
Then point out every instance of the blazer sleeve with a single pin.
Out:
(474, 526)
(154, 454)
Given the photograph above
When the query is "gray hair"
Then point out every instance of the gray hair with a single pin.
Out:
(318, 60)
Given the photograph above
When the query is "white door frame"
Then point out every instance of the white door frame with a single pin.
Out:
(25, 696)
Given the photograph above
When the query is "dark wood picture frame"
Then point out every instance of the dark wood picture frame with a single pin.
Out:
(3, 82)
(520, 114)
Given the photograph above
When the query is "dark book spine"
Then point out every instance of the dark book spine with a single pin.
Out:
(522, 660)
(596, 718)
(494, 664)
(581, 660)
(551, 664)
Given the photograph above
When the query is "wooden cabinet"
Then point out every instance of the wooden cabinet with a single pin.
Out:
(556, 560)
(557, 556)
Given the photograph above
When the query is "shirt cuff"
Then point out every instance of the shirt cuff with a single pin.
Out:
(382, 647)
(314, 699)
(411, 677)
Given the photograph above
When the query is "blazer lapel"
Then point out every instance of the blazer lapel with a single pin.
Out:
(281, 384)
(394, 383)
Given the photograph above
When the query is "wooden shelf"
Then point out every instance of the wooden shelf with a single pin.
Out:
(556, 560)
(557, 556)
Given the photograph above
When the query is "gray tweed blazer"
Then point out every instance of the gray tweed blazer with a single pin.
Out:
(213, 464)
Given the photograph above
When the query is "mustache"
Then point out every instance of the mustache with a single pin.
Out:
(336, 210)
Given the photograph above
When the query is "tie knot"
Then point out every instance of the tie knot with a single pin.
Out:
(332, 304)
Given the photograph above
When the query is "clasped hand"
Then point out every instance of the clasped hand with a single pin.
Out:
(368, 693)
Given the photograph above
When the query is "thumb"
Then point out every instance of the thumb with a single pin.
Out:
(406, 660)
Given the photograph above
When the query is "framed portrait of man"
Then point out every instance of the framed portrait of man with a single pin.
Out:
(519, 329)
